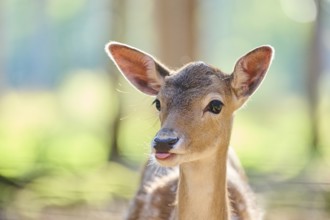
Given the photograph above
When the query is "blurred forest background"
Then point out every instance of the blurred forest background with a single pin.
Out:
(74, 134)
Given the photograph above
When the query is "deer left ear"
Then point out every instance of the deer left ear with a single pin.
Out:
(250, 70)
(142, 70)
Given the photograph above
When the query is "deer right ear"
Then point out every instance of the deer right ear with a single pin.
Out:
(250, 70)
(139, 68)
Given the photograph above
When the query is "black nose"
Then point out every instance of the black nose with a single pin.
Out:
(163, 145)
(165, 140)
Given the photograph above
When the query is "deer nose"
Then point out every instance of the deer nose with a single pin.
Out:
(165, 141)
(164, 145)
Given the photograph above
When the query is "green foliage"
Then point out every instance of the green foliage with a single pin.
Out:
(61, 10)
(270, 140)
(59, 144)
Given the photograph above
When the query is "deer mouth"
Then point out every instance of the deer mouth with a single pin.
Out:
(163, 155)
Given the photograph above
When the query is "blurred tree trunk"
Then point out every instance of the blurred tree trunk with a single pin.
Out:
(117, 31)
(176, 29)
(313, 77)
(41, 58)
(2, 51)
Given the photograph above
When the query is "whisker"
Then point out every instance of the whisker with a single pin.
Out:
(121, 91)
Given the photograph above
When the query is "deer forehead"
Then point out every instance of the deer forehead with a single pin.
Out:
(193, 83)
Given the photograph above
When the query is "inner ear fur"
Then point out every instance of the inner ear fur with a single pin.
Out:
(250, 70)
(139, 68)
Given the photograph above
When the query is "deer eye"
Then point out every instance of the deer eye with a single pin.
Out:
(214, 106)
(157, 104)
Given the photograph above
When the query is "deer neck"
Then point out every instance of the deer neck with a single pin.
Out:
(203, 189)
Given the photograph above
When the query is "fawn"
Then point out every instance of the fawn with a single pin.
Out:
(204, 179)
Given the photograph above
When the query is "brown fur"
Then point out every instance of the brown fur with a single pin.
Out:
(161, 185)
(207, 185)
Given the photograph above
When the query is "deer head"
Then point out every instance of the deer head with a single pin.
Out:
(195, 103)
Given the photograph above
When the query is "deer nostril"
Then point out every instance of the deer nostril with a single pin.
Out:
(173, 141)
(164, 144)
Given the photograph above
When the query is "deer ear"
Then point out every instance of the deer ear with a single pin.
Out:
(250, 70)
(139, 68)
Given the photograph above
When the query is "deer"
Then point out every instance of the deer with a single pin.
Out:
(196, 104)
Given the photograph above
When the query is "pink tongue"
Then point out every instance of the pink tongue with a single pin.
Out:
(162, 155)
